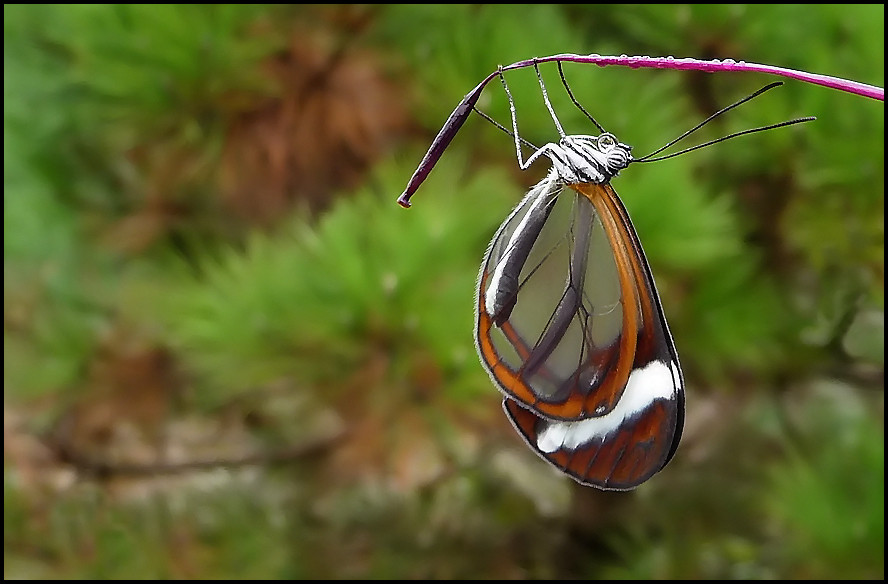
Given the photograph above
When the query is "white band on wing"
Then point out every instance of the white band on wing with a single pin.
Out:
(656, 380)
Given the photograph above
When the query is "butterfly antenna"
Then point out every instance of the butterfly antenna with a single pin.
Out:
(648, 157)
(723, 138)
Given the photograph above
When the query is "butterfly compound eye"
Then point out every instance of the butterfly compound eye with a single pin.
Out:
(606, 142)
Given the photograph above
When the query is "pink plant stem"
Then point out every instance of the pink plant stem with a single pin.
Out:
(462, 111)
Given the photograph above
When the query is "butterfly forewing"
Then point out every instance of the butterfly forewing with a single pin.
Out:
(571, 329)
(562, 303)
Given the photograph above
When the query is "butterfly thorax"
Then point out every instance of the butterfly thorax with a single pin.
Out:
(588, 159)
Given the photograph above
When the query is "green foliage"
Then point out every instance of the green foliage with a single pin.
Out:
(828, 498)
(135, 99)
(736, 322)
(97, 94)
(50, 313)
(317, 300)
(163, 66)
(233, 536)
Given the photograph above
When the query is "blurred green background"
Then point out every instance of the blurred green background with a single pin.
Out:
(228, 353)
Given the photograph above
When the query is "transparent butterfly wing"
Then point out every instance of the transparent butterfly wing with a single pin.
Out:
(570, 328)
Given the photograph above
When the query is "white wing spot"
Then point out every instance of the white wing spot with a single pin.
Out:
(655, 381)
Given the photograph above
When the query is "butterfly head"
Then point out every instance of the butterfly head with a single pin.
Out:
(592, 159)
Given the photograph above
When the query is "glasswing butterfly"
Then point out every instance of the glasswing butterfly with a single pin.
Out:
(569, 325)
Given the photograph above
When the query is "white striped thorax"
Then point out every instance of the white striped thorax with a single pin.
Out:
(587, 159)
